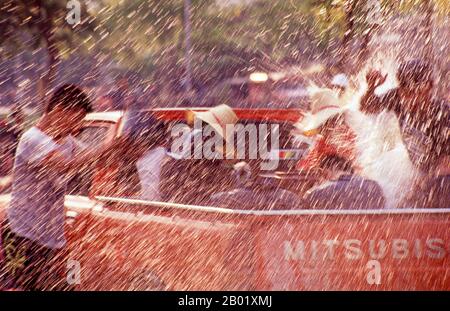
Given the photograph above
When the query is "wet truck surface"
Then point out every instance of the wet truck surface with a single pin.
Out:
(123, 243)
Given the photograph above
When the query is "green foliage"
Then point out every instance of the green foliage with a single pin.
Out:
(43, 20)
(147, 35)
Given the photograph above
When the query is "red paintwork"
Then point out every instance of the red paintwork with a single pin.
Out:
(291, 115)
(199, 251)
(139, 246)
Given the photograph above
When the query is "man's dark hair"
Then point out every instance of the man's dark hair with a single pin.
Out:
(70, 97)
(414, 71)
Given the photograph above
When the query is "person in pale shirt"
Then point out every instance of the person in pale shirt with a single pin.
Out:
(149, 169)
(143, 140)
(46, 157)
(332, 160)
(424, 129)
(419, 160)
(381, 155)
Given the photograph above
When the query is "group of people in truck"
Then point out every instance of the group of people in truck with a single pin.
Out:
(398, 142)
(390, 152)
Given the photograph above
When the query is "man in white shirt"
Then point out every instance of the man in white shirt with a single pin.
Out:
(33, 236)
(143, 140)
(420, 159)
(149, 170)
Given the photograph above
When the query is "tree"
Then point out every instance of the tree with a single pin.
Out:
(43, 21)
(428, 29)
(350, 16)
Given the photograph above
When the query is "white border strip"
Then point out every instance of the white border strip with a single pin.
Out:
(211, 209)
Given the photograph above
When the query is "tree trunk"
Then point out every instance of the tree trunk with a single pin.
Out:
(373, 22)
(349, 32)
(328, 22)
(188, 47)
(428, 30)
(48, 81)
(48, 33)
(363, 51)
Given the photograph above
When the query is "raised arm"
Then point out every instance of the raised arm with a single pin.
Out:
(57, 161)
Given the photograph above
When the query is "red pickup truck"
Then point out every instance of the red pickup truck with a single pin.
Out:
(125, 244)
